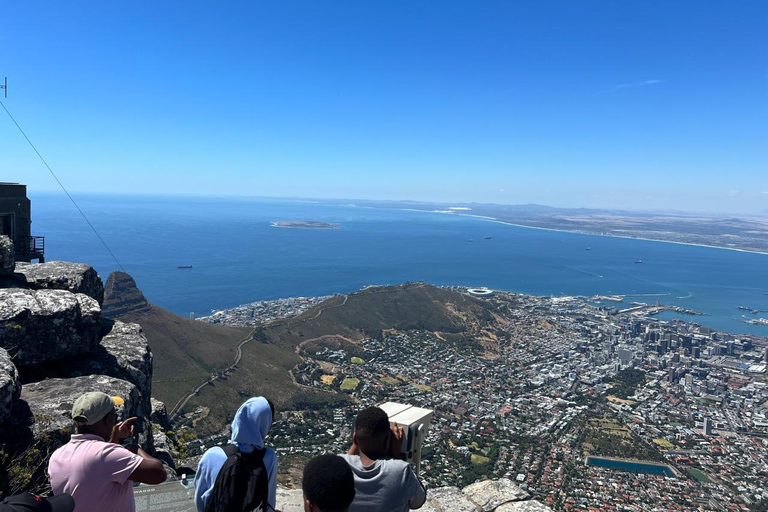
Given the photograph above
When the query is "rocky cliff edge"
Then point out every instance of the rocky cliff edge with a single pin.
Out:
(55, 345)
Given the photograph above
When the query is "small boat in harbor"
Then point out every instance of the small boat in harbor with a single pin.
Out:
(185, 266)
(638, 261)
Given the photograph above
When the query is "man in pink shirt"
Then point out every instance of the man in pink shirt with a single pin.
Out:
(93, 467)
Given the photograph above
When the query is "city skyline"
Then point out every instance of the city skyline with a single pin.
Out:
(635, 107)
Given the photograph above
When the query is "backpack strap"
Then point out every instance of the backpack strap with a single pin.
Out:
(230, 449)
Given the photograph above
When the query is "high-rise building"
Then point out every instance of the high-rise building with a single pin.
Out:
(707, 427)
(625, 356)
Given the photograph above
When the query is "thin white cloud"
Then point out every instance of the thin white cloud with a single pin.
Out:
(635, 85)
(739, 193)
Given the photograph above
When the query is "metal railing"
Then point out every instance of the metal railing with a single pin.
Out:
(30, 247)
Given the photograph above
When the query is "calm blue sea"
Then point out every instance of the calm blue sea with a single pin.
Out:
(237, 257)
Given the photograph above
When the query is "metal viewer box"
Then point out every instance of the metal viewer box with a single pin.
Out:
(415, 422)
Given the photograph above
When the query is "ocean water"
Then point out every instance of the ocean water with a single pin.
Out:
(238, 257)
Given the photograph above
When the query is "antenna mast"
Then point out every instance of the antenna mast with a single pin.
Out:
(5, 86)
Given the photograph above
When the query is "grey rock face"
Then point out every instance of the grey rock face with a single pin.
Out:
(490, 494)
(50, 404)
(451, 499)
(7, 256)
(524, 506)
(159, 415)
(10, 386)
(63, 275)
(129, 348)
(44, 325)
(162, 447)
(123, 354)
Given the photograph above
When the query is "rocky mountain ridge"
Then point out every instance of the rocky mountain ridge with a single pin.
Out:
(54, 345)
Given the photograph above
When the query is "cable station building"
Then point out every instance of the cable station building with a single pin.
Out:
(16, 222)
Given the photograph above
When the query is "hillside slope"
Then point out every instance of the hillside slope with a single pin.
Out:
(367, 313)
(188, 353)
(185, 352)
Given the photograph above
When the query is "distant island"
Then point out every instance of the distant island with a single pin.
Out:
(304, 224)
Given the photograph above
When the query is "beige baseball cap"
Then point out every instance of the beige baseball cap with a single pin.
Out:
(93, 407)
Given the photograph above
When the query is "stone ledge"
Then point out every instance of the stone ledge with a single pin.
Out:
(491, 494)
(495, 495)
(63, 275)
(37, 326)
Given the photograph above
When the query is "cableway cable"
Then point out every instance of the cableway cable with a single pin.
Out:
(64, 189)
(103, 242)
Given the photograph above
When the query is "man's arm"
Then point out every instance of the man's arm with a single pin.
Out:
(417, 494)
(150, 471)
(420, 498)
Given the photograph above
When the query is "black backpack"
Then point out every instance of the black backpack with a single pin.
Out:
(242, 484)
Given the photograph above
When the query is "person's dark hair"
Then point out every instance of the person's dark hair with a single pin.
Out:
(271, 408)
(372, 422)
(328, 483)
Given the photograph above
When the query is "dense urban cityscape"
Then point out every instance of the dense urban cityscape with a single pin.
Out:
(562, 386)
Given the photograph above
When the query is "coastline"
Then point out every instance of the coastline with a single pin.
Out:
(509, 223)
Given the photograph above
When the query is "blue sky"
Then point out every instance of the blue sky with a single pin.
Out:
(631, 104)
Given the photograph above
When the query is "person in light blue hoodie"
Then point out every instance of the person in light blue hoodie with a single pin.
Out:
(249, 427)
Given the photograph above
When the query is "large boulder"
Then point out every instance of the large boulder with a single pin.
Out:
(159, 415)
(50, 402)
(7, 256)
(123, 354)
(128, 347)
(44, 325)
(490, 494)
(163, 447)
(10, 385)
(63, 275)
(122, 296)
(451, 499)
